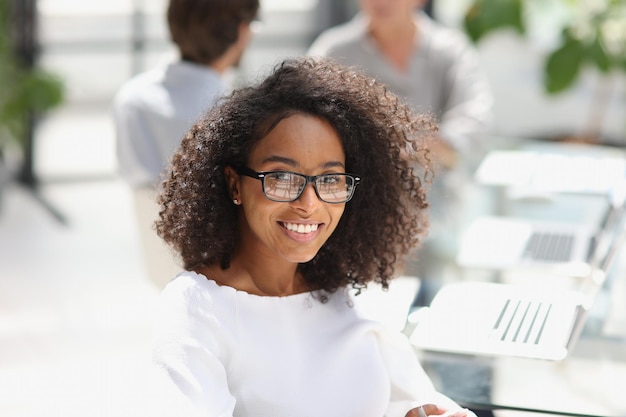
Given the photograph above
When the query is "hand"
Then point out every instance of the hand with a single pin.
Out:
(433, 410)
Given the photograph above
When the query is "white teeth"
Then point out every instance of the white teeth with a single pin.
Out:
(301, 228)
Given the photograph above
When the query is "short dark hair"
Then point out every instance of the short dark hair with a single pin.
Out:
(204, 29)
(384, 143)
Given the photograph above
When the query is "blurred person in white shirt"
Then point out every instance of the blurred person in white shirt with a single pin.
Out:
(153, 110)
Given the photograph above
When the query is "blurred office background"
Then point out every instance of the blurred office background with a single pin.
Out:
(74, 297)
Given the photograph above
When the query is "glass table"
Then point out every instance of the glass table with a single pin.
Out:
(591, 381)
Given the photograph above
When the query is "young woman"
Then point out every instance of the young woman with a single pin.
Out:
(283, 202)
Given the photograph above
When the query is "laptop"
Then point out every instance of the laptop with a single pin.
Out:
(523, 320)
(495, 319)
(548, 167)
(495, 242)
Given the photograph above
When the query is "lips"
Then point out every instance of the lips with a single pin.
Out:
(301, 228)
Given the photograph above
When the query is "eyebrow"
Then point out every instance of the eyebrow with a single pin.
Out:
(293, 163)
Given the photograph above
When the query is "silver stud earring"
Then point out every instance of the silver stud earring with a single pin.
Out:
(236, 202)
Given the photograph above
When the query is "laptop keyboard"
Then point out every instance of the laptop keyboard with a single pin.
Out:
(521, 321)
(549, 247)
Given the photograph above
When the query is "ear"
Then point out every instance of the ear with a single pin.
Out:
(232, 181)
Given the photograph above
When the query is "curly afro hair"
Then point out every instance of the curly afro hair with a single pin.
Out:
(384, 141)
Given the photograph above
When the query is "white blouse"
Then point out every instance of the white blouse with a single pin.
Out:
(223, 352)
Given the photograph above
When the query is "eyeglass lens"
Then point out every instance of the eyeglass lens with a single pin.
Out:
(287, 186)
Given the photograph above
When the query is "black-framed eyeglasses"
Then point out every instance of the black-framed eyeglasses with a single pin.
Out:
(286, 186)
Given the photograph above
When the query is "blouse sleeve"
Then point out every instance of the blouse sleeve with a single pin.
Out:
(410, 385)
(188, 354)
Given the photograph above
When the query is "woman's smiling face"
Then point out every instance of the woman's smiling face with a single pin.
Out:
(292, 231)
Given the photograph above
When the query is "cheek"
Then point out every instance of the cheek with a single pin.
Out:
(252, 193)
(336, 212)
(258, 213)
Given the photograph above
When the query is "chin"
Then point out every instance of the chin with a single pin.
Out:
(301, 258)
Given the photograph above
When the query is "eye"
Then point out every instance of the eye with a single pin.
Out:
(285, 180)
(283, 177)
(332, 179)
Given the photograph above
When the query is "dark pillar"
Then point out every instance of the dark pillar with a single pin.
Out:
(24, 35)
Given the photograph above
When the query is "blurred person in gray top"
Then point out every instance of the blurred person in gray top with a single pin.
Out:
(435, 69)
(153, 110)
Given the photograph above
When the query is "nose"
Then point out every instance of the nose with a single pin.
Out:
(308, 200)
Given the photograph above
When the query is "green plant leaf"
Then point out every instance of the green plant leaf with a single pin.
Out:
(42, 90)
(563, 65)
(596, 54)
(23, 91)
(484, 16)
(34, 91)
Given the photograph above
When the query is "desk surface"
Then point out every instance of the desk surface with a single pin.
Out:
(591, 381)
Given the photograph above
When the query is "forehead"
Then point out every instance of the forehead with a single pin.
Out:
(381, 8)
(302, 138)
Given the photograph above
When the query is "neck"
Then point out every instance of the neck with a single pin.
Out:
(390, 32)
(396, 42)
(259, 277)
(221, 64)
